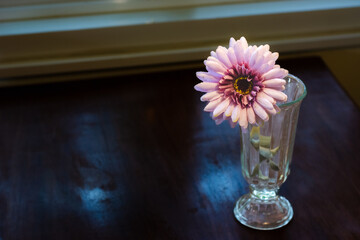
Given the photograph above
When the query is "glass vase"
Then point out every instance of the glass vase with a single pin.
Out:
(266, 152)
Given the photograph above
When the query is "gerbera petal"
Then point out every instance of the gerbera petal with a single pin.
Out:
(215, 74)
(267, 47)
(221, 107)
(277, 95)
(256, 57)
(260, 111)
(212, 105)
(264, 103)
(250, 115)
(206, 87)
(275, 73)
(213, 54)
(264, 68)
(243, 118)
(274, 56)
(267, 97)
(236, 114)
(229, 110)
(221, 53)
(244, 44)
(210, 96)
(215, 66)
(281, 88)
(271, 111)
(248, 52)
(207, 77)
(239, 52)
(276, 82)
(232, 56)
(258, 64)
(232, 42)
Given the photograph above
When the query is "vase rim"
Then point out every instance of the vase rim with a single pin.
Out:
(298, 99)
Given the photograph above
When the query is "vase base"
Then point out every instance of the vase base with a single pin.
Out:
(263, 214)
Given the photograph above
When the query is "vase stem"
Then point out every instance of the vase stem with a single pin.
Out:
(264, 194)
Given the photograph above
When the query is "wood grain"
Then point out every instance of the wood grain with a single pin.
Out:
(135, 157)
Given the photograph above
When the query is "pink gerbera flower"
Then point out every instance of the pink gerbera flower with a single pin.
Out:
(242, 83)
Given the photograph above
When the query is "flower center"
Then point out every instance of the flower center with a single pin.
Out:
(242, 85)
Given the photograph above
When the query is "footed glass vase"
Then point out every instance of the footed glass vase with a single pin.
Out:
(266, 152)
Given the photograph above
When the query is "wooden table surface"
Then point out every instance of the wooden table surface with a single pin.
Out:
(135, 157)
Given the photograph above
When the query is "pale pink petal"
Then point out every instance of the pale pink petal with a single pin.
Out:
(239, 52)
(248, 52)
(267, 48)
(212, 105)
(260, 111)
(265, 103)
(215, 74)
(259, 63)
(253, 58)
(243, 118)
(264, 68)
(206, 87)
(275, 73)
(229, 110)
(250, 115)
(232, 42)
(221, 52)
(207, 77)
(221, 107)
(281, 88)
(213, 54)
(274, 56)
(257, 57)
(277, 95)
(267, 97)
(271, 111)
(269, 56)
(210, 96)
(232, 56)
(244, 44)
(236, 113)
(215, 59)
(275, 82)
(215, 67)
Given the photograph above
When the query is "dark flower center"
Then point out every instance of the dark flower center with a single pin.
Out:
(242, 85)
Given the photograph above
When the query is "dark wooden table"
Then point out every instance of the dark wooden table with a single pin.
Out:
(135, 157)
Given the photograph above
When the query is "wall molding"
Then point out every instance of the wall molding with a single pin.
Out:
(109, 41)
